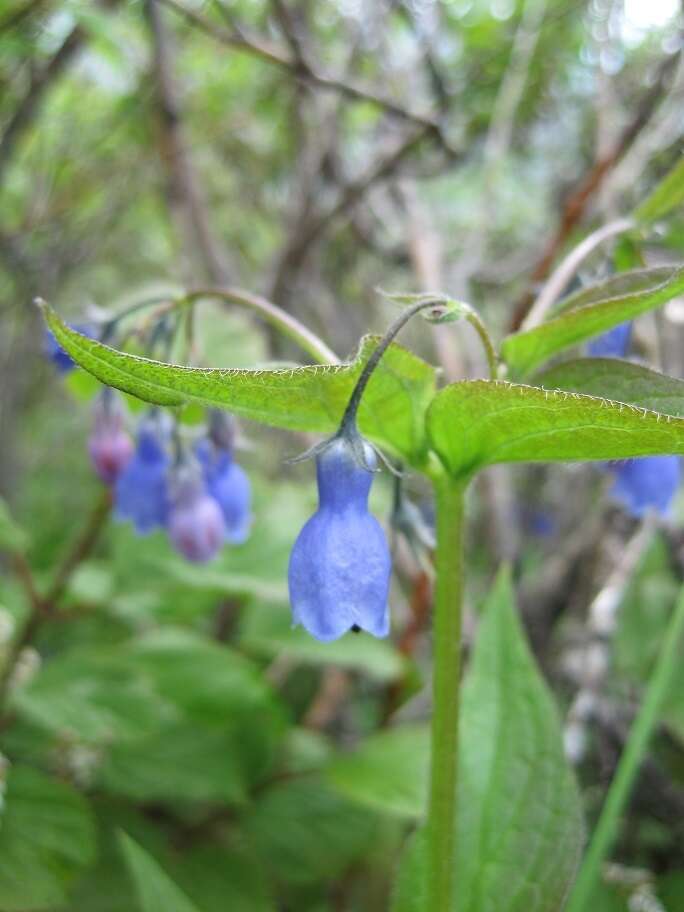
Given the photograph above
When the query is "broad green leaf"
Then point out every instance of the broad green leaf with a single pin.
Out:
(592, 311)
(306, 832)
(666, 196)
(156, 891)
(481, 422)
(46, 838)
(309, 398)
(388, 771)
(622, 381)
(520, 830)
(219, 879)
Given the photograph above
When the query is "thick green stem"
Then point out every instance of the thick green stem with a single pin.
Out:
(630, 762)
(441, 824)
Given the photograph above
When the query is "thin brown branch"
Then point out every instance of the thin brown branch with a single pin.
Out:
(29, 106)
(185, 200)
(578, 201)
(266, 51)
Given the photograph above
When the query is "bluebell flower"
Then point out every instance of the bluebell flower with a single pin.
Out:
(109, 444)
(645, 484)
(141, 493)
(195, 522)
(229, 485)
(340, 565)
(54, 351)
(612, 344)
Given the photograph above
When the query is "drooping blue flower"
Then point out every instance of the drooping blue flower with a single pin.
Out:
(54, 351)
(612, 344)
(195, 522)
(141, 493)
(109, 444)
(340, 565)
(645, 484)
(229, 485)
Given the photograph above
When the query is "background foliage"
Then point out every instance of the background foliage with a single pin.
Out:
(170, 742)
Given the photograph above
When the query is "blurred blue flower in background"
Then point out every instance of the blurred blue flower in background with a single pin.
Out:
(340, 565)
(612, 344)
(226, 481)
(141, 493)
(54, 351)
(645, 484)
(195, 522)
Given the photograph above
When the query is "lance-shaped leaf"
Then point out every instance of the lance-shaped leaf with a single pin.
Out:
(476, 423)
(519, 818)
(592, 311)
(619, 380)
(309, 398)
(666, 196)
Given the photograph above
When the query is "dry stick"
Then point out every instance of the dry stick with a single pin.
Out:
(266, 51)
(42, 607)
(184, 191)
(567, 268)
(601, 624)
(578, 201)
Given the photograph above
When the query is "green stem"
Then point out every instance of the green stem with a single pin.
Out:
(441, 823)
(284, 322)
(630, 761)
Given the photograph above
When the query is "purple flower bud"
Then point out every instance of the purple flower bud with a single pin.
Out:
(229, 485)
(340, 565)
(109, 444)
(612, 344)
(54, 351)
(195, 522)
(646, 484)
(141, 492)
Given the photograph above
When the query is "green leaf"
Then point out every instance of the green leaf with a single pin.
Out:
(481, 422)
(221, 879)
(156, 891)
(592, 311)
(46, 838)
(520, 826)
(388, 771)
(307, 832)
(310, 398)
(666, 196)
(621, 381)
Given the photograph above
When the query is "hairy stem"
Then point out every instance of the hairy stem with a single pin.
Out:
(284, 322)
(630, 762)
(441, 822)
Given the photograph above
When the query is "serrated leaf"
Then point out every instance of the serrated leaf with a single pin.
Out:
(46, 838)
(520, 827)
(388, 771)
(592, 311)
(667, 195)
(309, 398)
(619, 380)
(155, 889)
(477, 423)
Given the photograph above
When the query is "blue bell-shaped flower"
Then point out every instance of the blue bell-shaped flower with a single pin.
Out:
(649, 483)
(340, 565)
(141, 492)
(226, 481)
(612, 344)
(195, 522)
